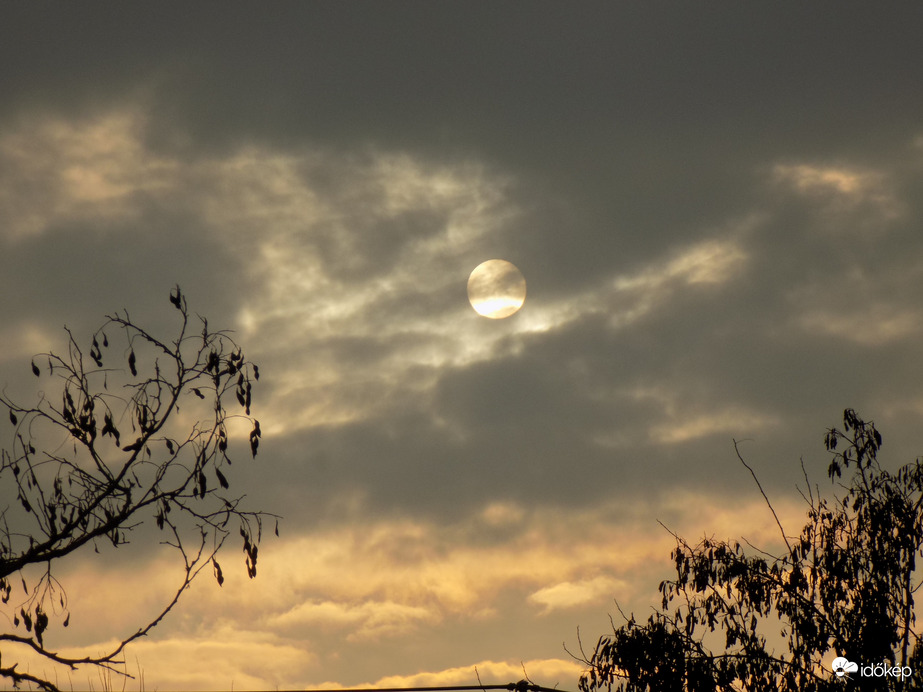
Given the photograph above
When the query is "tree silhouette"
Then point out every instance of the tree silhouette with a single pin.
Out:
(844, 587)
(109, 451)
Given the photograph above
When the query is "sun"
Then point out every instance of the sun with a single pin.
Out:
(496, 289)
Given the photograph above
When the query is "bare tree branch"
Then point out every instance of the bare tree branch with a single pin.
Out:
(113, 456)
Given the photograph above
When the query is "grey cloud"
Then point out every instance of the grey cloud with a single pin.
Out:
(716, 210)
(639, 122)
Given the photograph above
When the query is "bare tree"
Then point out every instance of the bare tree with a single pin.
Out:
(90, 463)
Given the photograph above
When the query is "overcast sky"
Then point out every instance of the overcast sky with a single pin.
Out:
(717, 209)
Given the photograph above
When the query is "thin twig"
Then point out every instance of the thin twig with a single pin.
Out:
(765, 497)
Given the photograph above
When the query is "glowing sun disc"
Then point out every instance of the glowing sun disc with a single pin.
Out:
(496, 289)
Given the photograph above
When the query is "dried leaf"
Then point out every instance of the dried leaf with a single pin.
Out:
(133, 447)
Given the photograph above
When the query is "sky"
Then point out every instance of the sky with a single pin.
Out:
(717, 210)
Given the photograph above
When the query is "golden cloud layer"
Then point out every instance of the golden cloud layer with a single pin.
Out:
(322, 593)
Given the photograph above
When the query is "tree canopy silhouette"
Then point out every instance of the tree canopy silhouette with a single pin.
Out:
(842, 589)
(108, 451)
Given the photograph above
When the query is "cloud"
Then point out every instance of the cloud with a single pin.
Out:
(358, 259)
(842, 190)
(399, 575)
(500, 514)
(580, 593)
(366, 620)
(23, 340)
(682, 421)
(364, 279)
(807, 179)
(812, 179)
(711, 261)
(333, 594)
(96, 168)
(458, 491)
(229, 658)
(874, 325)
(324, 599)
(624, 298)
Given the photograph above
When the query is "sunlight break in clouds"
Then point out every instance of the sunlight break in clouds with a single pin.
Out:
(368, 249)
(377, 262)
(360, 258)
